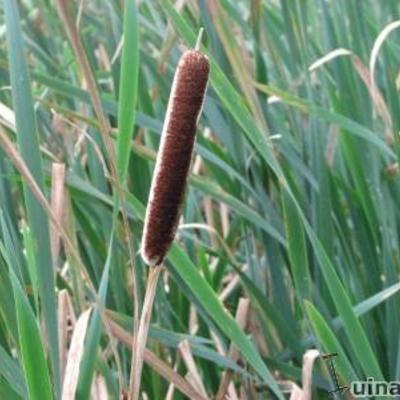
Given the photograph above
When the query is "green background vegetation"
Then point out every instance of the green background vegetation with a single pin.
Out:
(293, 202)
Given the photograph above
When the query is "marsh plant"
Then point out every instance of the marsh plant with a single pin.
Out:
(185, 218)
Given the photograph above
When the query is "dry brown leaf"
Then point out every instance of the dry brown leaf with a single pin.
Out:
(75, 355)
(99, 389)
(139, 345)
(66, 321)
(329, 57)
(376, 96)
(57, 204)
(242, 315)
(305, 392)
(20, 165)
(193, 373)
(171, 387)
(297, 393)
(377, 46)
(309, 359)
(158, 365)
(7, 117)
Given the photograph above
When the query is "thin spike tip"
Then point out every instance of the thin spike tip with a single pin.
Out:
(199, 39)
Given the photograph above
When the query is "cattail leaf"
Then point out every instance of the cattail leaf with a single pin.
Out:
(15, 262)
(238, 110)
(29, 147)
(352, 325)
(128, 87)
(93, 333)
(336, 118)
(227, 324)
(110, 106)
(330, 343)
(7, 391)
(297, 249)
(238, 207)
(31, 262)
(6, 200)
(328, 205)
(12, 372)
(268, 312)
(200, 346)
(31, 347)
(7, 305)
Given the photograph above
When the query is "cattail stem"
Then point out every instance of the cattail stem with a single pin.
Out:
(140, 340)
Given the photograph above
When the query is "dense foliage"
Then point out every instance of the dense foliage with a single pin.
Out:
(290, 232)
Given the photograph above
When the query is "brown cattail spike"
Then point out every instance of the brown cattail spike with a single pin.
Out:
(174, 156)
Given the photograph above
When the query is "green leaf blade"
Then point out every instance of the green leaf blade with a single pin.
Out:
(31, 347)
(29, 147)
(128, 87)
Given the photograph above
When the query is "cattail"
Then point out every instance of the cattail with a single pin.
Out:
(174, 156)
(168, 185)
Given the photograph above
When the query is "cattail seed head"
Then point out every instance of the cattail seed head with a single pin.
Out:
(174, 156)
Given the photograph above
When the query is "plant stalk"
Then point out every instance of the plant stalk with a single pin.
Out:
(139, 342)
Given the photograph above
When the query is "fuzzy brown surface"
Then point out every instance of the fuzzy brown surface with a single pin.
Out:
(169, 182)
